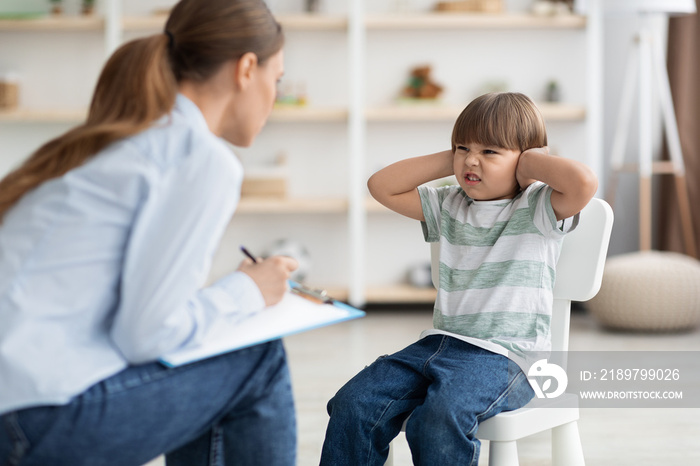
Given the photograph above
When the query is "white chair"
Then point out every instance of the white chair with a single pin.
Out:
(579, 275)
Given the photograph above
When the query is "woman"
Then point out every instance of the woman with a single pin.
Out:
(106, 240)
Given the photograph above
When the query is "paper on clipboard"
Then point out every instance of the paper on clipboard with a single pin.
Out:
(294, 314)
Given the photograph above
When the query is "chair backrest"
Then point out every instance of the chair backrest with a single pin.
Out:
(579, 269)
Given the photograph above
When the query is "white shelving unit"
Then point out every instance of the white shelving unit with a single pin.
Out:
(328, 203)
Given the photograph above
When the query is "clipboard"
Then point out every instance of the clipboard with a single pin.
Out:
(300, 310)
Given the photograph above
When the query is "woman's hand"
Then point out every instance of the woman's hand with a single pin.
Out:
(270, 275)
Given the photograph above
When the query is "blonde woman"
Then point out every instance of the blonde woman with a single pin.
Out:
(106, 239)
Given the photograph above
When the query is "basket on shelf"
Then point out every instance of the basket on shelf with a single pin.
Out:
(481, 6)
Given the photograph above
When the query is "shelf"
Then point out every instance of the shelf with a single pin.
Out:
(279, 114)
(400, 294)
(473, 21)
(291, 114)
(24, 115)
(252, 205)
(437, 112)
(289, 22)
(54, 23)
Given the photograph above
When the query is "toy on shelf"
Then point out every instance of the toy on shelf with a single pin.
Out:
(311, 6)
(475, 6)
(291, 97)
(552, 92)
(269, 181)
(421, 86)
(9, 91)
(551, 7)
(56, 7)
(88, 7)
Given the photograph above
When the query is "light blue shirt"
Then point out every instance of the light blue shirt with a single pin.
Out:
(104, 267)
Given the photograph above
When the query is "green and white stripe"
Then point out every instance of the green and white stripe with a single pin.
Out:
(497, 265)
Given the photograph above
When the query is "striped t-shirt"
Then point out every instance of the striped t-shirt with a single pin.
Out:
(497, 268)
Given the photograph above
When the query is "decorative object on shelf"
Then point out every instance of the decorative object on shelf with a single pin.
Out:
(649, 291)
(420, 276)
(552, 92)
(311, 6)
(421, 85)
(477, 6)
(296, 250)
(551, 7)
(88, 7)
(56, 7)
(266, 181)
(294, 95)
(9, 91)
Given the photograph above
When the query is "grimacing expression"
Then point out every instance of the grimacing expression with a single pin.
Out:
(486, 173)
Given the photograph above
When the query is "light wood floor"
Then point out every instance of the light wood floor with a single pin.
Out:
(323, 360)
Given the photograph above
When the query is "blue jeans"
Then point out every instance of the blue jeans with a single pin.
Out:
(233, 409)
(446, 385)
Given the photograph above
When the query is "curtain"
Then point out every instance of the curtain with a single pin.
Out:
(684, 75)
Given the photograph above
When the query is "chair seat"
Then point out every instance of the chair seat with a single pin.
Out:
(536, 416)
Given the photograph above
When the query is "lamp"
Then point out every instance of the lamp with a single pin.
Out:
(646, 71)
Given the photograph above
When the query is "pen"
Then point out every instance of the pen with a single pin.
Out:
(248, 254)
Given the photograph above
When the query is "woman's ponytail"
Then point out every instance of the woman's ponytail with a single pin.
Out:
(139, 83)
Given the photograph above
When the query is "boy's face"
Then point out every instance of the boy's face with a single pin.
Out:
(486, 173)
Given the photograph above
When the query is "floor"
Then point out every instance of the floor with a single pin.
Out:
(323, 359)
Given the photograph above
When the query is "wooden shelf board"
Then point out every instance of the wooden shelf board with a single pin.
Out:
(291, 114)
(310, 22)
(391, 113)
(54, 23)
(474, 20)
(400, 294)
(305, 22)
(438, 112)
(141, 23)
(25, 115)
(258, 205)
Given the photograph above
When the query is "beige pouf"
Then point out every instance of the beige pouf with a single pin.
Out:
(649, 291)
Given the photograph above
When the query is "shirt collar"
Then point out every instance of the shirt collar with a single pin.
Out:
(190, 112)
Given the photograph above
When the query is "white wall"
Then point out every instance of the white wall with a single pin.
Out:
(60, 68)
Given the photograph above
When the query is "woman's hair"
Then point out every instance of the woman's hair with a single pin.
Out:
(139, 82)
(504, 119)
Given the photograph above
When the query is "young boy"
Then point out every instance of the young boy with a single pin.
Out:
(500, 233)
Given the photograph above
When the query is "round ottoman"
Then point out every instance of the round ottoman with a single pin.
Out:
(649, 291)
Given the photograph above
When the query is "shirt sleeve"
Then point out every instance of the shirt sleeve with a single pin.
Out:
(539, 197)
(431, 202)
(184, 213)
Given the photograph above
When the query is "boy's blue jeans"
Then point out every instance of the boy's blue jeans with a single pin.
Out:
(233, 409)
(446, 385)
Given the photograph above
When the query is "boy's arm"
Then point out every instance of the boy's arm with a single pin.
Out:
(396, 186)
(574, 184)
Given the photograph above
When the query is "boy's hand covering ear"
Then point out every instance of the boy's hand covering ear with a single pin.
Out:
(522, 180)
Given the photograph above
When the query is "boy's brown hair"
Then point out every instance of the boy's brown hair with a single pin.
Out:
(502, 119)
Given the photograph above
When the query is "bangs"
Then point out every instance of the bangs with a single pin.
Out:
(507, 120)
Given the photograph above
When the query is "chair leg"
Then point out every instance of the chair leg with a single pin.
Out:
(503, 453)
(566, 446)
